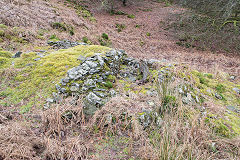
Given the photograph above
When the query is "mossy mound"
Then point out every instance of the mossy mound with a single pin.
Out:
(5, 58)
(98, 72)
(37, 76)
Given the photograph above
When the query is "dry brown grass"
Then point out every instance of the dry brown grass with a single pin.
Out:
(35, 13)
(182, 135)
(182, 138)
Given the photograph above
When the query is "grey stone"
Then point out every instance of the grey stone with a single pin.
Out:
(81, 58)
(132, 79)
(50, 100)
(17, 55)
(197, 99)
(233, 109)
(145, 120)
(65, 80)
(151, 103)
(41, 55)
(91, 64)
(74, 88)
(99, 80)
(100, 94)
(93, 71)
(232, 77)
(63, 44)
(56, 97)
(29, 64)
(82, 72)
(85, 67)
(37, 59)
(152, 61)
(60, 90)
(109, 119)
(90, 83)
(180, 91)
(237, 90)
(187, 99)
(46, 106)
(93, 99)
(218, 96)
(113, 93)
(100, 89)
(101, 61)
(89, 109)
(159, 121)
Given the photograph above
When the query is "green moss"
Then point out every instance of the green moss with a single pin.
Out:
(5, 54)
(3, 26)
(206, 82)
(2, 33)
(111, 78)
(234, 123)
(108, 84)
(227, 126)
(148, 34)
(3, 62)
(5, 59)
(208, 75)
(45, 73)
(131, 16)
(220, 88)
(25, 108)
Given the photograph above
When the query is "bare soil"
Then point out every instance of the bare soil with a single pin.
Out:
(154, 18)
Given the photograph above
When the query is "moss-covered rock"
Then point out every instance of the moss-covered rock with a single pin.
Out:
(42, 75)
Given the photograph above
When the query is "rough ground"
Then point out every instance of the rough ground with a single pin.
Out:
(162, 42)
(37, 133)
(152, 17)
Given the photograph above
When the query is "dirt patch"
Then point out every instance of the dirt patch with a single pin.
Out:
(146, 36)
(36, 14)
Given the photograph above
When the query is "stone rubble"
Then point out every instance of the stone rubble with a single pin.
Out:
(63, 44)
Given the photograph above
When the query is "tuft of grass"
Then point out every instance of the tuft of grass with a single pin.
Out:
(148, 34)
(86, 40)
(63, 27)
(120, 27)
(113, 12)
(104, 40)
(131, 16)
(105, 36)
(137, 26)
(54, 37)
(220, 88)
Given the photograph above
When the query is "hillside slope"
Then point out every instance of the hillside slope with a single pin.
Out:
(128, 91)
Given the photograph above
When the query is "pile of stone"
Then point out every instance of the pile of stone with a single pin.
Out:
(93, 79)
(64, 44)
